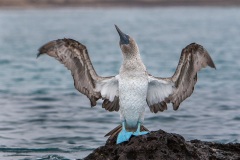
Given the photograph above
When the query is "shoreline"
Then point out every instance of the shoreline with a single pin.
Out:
(162, 145)
(117, 4)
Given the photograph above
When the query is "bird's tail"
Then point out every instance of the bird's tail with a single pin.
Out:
(114, 133)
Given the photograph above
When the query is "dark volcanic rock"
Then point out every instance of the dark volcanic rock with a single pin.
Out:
(161, 145)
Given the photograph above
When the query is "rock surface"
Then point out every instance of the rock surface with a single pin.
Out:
(159, 145)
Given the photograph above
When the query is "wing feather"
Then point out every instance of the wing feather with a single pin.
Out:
(158, 90)
(74, 56)
(193, 58)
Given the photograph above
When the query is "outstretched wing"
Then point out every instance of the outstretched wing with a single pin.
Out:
(75, 57)
(193, 58)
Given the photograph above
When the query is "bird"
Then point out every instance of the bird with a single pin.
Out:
(133, 88)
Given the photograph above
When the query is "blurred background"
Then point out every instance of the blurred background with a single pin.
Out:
(143, 3)
(43, 117)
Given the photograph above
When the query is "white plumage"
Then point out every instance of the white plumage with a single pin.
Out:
(108, 88)
(158, 90)
(132, 99)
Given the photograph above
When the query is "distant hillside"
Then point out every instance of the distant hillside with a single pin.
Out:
(79, 3)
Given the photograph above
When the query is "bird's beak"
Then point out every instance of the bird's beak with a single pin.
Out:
(124, 39)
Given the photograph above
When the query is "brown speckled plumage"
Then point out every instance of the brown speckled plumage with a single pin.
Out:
(75, 57)
(193, 58)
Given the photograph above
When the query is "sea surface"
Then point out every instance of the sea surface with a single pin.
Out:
(42, 115)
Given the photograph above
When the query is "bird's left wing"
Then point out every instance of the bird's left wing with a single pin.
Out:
(181, 85)
(75, 57)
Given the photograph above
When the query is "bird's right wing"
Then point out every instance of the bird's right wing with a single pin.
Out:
(75, 57)
(181, 85)
(193, 58)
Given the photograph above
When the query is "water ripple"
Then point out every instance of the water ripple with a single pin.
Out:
(44, 99)
(29, 150)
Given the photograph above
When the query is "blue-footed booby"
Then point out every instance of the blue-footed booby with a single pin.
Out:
(133, 88)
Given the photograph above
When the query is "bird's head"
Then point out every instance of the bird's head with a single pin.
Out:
(127, 43)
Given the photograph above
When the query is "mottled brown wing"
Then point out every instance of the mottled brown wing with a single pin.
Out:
(193, 58)
(75, 57)
(111, 105)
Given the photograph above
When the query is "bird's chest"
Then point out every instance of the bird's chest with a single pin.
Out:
(133, 91)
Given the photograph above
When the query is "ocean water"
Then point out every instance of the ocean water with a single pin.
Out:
(43, 117)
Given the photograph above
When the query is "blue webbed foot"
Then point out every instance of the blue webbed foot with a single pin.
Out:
(138, 132)
(124, 136)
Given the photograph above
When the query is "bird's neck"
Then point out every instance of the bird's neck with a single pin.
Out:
(132, 62)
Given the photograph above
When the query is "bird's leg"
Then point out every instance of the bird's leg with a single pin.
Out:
(123, 135)
(138, 132)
